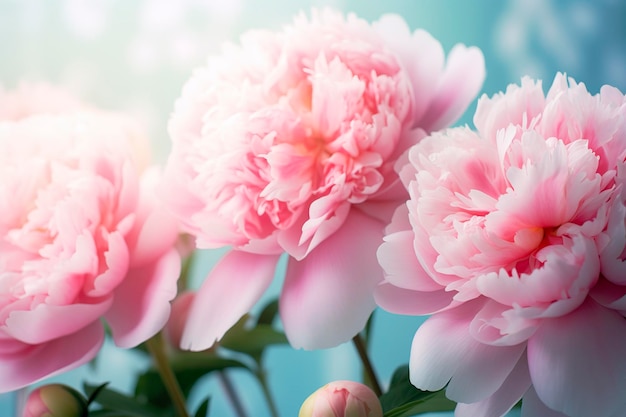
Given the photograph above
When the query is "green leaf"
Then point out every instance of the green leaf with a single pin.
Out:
(404, 400)
(252, 340)
(122, 404)
(203, 409)
(269, 313)
(188, 368)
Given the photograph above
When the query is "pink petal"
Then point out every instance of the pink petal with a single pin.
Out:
(443, 352)
(511, 391)
(577, 362)
(402, 301)
(411, 49)
(533, 407)
(230, 290)
(402, 269)
(459, 85)
(328, 296)
(47, 322)
(141, 305)
(36, 362)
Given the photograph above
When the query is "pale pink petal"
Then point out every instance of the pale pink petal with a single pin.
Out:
(52, 358)
(577, 362)
(533, 407)
(333, 284)
(443, 352)
(48, 322)
(232, 287)
(461, 81)
(402, 301)
(511, 391)
(412, 50)
(141, 304)
(402, 269)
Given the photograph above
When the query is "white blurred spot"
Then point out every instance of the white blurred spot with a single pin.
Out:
(87, 19)
(143, 55)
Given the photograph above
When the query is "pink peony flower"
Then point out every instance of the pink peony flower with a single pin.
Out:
(81, 239)
(342, 399)
(286, 143)
(514, 239)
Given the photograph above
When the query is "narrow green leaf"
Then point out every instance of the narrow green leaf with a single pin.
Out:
(124, 405)
(252, 340)
(203, 409)
(404, 400)
(269, 313)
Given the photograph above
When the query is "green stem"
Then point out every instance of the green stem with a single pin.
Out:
(372, 380)
(231, 394)
(260, 374)
(155, 347)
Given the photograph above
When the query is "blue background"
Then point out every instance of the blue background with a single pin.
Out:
(135, 55)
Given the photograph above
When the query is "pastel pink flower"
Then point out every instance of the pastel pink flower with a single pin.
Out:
(342, 399)
(514, 239)
(37, 98)
(82, 238)
(286, 143)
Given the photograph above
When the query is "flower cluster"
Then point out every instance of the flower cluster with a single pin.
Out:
(327, 143)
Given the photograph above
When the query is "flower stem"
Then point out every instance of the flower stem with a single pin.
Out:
(260, 374)
(231, 394)
(155, 347)
(370, 375)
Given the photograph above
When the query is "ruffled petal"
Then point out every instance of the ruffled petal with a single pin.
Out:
(36, 362)
(577, 362)
(141, 305)
(511, 391)
(230, 290)
(328, 296)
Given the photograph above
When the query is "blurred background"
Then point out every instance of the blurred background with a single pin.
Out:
(135, 55)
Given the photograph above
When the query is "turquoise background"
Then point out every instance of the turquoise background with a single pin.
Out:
(134, 55)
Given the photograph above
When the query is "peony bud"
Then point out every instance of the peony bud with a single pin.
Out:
(55, 400)
(342, 399)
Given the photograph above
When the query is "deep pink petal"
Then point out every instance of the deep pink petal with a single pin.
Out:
(328, 296)
(577, 362)
(141, 305)
(533, 407)
(459, 85)
(402, 301)
(47, 322)
(504, 398)
(230, 290)
(36, 362)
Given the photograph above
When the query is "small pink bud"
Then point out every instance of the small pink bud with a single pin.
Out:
(55, 400)
(342, 399)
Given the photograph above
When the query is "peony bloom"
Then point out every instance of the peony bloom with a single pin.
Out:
(55, 400)
(286, 144)
(81, 239)
(514, 239)
(342, 399)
